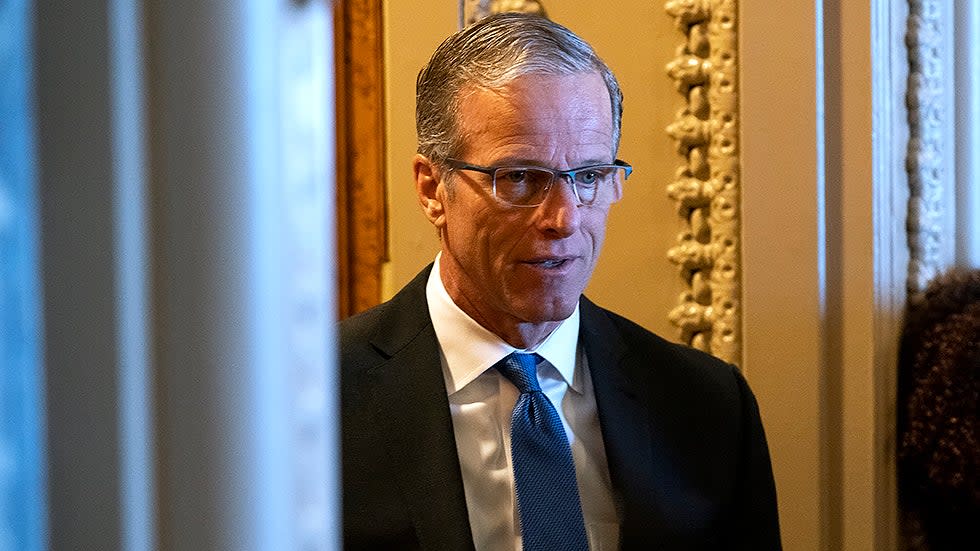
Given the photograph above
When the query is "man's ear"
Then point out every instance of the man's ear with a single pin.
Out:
(431, 191)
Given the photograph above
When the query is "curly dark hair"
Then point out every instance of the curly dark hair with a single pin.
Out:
(939, 396)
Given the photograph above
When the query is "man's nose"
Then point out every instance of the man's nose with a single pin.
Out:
(560, 213)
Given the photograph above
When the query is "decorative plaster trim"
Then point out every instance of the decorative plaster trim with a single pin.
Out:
(706, 187)
(926, 147)
(472, 11)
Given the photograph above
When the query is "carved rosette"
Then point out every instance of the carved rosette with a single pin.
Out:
(924, 157)
(475, 10)
(706, 187)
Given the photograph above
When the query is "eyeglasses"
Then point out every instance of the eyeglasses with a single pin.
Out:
(528, 186)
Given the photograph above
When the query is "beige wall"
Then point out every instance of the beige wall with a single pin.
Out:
(782, 311)
(824, 256)
(412, 31)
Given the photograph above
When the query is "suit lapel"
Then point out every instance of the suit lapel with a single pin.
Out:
(619, 378)
(408, 397)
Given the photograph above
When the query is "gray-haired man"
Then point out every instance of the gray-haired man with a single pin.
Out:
(489, 404)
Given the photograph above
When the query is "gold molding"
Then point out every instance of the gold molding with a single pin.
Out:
(706, 186)
(474, 10)
(362, 217)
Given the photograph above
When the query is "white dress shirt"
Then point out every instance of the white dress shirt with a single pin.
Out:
(481, 402)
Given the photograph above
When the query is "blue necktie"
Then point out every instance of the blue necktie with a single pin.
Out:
(544, 474)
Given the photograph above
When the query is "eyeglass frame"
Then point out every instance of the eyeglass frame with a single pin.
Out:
(456, 164)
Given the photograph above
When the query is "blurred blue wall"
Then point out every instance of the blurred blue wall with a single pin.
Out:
(21, 465)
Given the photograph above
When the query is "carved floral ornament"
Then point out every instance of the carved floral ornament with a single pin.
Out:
(924, 156)
(475, 10)
(706, 187)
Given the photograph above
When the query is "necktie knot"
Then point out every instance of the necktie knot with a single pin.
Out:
(522, 370)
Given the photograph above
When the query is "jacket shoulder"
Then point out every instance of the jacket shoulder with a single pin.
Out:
(649, 359)
(638, 339)
(379, 332)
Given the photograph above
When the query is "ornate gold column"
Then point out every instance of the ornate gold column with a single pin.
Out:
(706, 187)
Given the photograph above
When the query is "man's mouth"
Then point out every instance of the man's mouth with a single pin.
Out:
(550, 263)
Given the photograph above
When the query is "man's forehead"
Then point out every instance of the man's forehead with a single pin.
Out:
(536, 116)
(544, 94)
(529, 80)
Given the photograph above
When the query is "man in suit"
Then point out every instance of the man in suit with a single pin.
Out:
(490, 405)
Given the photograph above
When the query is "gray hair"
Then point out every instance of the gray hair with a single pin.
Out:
(490, 54)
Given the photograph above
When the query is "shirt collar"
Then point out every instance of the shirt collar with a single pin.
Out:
(469, 349)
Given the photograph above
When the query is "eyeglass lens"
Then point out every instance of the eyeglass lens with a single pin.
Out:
(529, 186)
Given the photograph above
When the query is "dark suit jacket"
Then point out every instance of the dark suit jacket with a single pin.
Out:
(686, 450)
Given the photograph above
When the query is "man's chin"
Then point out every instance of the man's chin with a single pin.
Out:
(541, 313)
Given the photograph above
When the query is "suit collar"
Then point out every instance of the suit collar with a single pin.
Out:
(469, 349)
(405, 316)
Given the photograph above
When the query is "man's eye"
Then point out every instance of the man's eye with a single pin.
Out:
(588, 177)
(513, 176)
